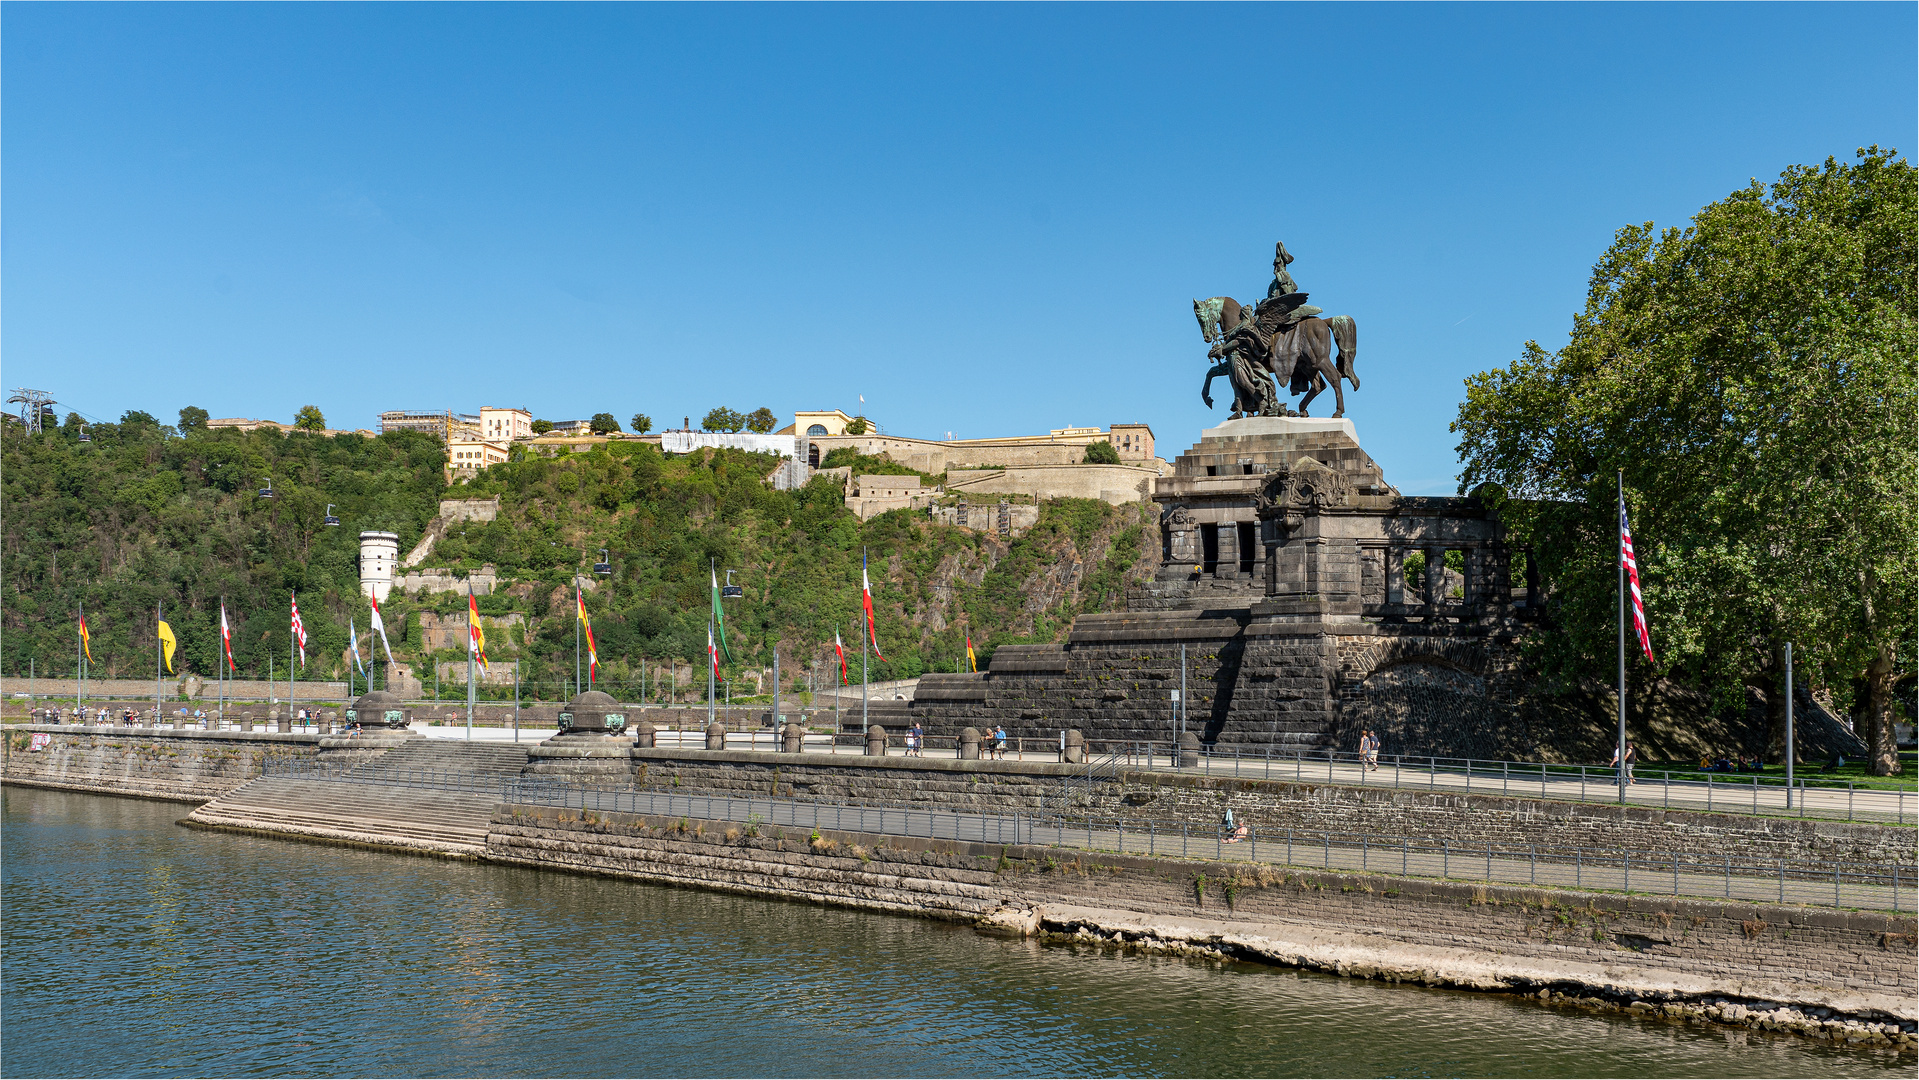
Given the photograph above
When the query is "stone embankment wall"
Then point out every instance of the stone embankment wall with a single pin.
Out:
(1480, 937)
(1008, 787)
(190, 766)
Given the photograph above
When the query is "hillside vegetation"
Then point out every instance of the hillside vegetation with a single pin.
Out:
(143, 516)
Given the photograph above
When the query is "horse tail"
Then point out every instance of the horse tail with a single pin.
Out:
(1346, 337)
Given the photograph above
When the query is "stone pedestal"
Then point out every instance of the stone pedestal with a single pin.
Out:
(1282, 582)
(591, 746)
(876, 741)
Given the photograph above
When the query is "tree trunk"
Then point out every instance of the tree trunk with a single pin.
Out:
(1877, 729)
(1775, 686)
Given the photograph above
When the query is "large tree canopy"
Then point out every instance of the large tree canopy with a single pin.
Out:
(1753, 377)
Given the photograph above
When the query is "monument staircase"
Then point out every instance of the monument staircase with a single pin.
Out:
(430, 795)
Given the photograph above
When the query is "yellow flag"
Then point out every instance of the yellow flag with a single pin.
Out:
(167, 644)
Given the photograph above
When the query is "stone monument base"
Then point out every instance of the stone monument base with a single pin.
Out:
(1284, 578)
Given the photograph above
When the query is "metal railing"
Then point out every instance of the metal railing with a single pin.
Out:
(1824, 883)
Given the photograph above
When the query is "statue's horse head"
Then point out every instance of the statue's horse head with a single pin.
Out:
(1209, 313)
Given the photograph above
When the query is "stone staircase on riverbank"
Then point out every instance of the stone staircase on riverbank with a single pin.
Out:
(434, 795)
(455, 756)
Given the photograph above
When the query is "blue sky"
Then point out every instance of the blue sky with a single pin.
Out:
(987, 219)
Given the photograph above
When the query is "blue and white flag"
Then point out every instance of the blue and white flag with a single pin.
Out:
(353, 643)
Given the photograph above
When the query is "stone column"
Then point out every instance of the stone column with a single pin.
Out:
(1435, 576)
(1228, 566)
(644, 735)
(969, 744)
(792, 739)
(876, 741)
(1074, 752)
(716, 736)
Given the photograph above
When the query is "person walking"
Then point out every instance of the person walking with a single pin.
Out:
(1632, 758)
(916, 741)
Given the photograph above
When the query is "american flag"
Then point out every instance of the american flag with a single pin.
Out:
(299, 629)
(1631, 566)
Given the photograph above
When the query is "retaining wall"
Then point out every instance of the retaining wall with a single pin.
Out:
(190, 766)
(1008, 787)
(1437, 933)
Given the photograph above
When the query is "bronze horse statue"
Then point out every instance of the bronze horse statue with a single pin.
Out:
(1312, 340)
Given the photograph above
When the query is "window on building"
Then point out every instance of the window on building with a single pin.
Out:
(816, 429)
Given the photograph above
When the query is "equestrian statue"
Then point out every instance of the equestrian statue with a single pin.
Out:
(1281, 338)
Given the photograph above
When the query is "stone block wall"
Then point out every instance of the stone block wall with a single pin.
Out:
(1199, 801)
(1494, 937)
(191, 766)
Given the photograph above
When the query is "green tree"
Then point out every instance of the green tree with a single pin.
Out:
(603, 423)
(1101, 453)
(641, 423)
(858, 426)
(309, 419)
(1753, 377)
(761, 420)
(722, 419)
(541, 427)
(192, 418)
(133, 418)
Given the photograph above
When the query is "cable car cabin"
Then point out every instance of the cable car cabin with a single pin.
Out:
(267, 492)
(330, 519)
(731, 592)
(84, 437)
(604, 569)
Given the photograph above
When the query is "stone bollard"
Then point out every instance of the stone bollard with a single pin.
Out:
(716, 736)
(285, 724)
(1074, 752)
(876, 741)
(969, 744)
(792, 738)
(1188, 751)
(643, 735)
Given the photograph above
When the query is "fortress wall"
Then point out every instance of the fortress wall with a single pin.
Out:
(1116, 484)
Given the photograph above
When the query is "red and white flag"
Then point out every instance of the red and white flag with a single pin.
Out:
(713, 654)
(1631, 566)
(379, 627)
(841, 650)
(866, 595)
(299, 631)
(226, 637)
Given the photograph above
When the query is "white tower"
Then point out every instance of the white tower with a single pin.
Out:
(379, 554)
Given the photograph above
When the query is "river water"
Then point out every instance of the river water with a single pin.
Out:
(136, 947)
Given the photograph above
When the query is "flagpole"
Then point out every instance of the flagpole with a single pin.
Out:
(291, 674)
(1621, 561)
(471, 653)
(579, 604)
(80, 691)
(159, 616)
(713, 571)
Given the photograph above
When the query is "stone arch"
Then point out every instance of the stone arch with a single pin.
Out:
(1361, 660)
